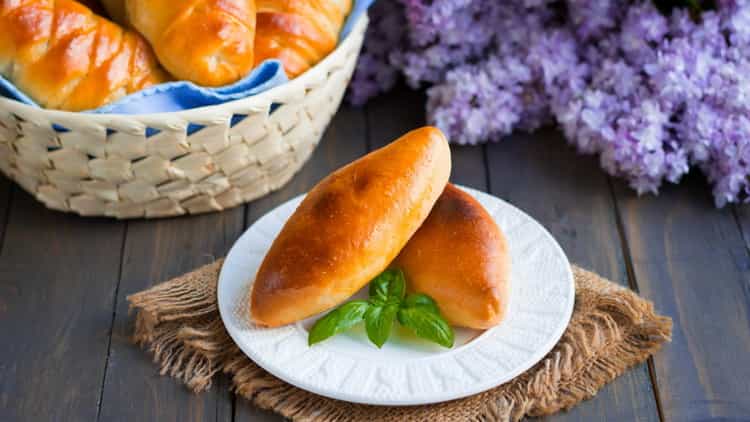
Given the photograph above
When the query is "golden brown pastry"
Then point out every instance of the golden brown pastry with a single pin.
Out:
(300, 33)
(65, 57)
(209, 42)
(350, 227)
(459, 257)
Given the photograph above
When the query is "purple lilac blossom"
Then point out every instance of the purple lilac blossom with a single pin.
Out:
(374, 73)
(652, 94)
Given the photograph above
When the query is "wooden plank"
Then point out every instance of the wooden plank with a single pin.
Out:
(343, 141)
(58, 276)
(690, 259)
(5, 201)
(156, 251)
(571, 197)
(742, 215)
(390, 116)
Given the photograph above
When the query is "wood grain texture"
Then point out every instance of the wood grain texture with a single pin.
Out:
(58, 275)
(571, 197)
(59, 281)
(343, 142)
(6, 187)
(742, 215)
(690, 259)
(155, 251)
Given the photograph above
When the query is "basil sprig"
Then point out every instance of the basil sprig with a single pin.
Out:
(387, 303)
(420, 313)
(386, 293)
(340, 319)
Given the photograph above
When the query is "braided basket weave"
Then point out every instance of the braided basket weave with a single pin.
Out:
(193, 161)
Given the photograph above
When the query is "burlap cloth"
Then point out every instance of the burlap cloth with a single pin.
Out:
(611, 330)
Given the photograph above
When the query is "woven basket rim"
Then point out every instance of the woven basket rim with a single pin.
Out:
(259, 101)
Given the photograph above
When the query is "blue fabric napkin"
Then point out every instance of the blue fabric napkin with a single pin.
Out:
(183, 95)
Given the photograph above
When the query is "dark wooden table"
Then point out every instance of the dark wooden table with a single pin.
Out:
(64, 324)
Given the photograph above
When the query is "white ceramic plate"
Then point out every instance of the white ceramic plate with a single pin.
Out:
(407, 370)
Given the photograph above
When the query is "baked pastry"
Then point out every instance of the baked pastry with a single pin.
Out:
(209, 42)
(459, 257)
(299, 33)
(349, 228)
(65, 57)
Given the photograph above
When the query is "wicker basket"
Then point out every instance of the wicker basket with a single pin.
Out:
(166, 164)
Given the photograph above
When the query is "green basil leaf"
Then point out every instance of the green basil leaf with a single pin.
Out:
(388, 287)
(422, 301)
(338, 320)
(379, 322)
(379, 286)
(427, 324)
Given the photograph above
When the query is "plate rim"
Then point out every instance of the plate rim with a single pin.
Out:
(537, 356)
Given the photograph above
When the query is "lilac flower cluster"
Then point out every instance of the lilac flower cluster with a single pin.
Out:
(652, 93)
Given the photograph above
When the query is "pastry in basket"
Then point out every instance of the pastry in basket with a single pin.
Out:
(300, 33)
(459, 257)
(65, 57)
(350, 227)
(209, 42)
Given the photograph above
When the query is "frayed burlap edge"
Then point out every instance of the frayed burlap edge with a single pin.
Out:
(611, 330)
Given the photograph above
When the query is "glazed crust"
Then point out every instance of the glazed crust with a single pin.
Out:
(65, 57)
(460, 258)
(349, 228)
(209, 42)
(300, 33)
